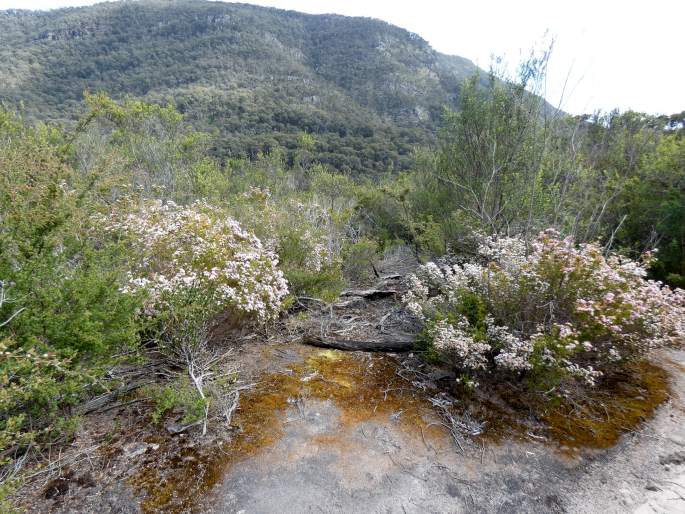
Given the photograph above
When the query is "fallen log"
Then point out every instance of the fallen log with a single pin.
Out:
(351, 303)
(370, 294)
(103, 400)
(401, 343)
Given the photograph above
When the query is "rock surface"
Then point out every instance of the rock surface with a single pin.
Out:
(340, 442)
(321, 464)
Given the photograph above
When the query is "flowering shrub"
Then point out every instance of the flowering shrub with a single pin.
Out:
(307, 238)
(181, 248)
(560, 308)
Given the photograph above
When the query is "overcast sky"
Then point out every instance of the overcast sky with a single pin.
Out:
(628, 54)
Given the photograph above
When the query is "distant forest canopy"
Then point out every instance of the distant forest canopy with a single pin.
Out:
(258, 78)
(368, 93)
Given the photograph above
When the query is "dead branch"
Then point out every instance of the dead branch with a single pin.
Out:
(4, 300)
(230, 410)
(60, 463)
(177, 428)
(456, 426)
(99, 402)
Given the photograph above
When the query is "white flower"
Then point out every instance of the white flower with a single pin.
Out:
(455, 342)
(197, 246)
(569, 305)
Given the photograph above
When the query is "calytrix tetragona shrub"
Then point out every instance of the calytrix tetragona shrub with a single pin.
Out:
(558, 307)
(178, 248)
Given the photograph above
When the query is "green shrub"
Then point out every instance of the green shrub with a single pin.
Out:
(63, 316)
(559, 310)
(425, 347)
(179, 395)
(7, 489)
(35, 388)
(359, 258)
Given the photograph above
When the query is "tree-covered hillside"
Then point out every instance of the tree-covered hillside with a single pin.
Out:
(367, 91)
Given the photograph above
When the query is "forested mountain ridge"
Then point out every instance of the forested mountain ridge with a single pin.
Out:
(368, 92)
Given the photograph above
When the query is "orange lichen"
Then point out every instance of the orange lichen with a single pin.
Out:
(366, 387)
(582, 419)
(362, 387)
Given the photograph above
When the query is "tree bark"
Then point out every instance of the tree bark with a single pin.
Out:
(400, 343)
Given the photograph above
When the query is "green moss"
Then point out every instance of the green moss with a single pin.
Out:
(177, 396)
(7, 489)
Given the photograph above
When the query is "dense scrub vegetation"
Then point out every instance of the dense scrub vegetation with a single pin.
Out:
(507, 166)
(521, 298)
(123, 236)
(547, 238)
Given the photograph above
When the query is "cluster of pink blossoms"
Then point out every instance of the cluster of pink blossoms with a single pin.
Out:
(199, 247)
(552, 304)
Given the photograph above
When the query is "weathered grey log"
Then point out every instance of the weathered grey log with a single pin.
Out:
(370, 294)
(351, 303)
(402, 343)
(100, 401)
